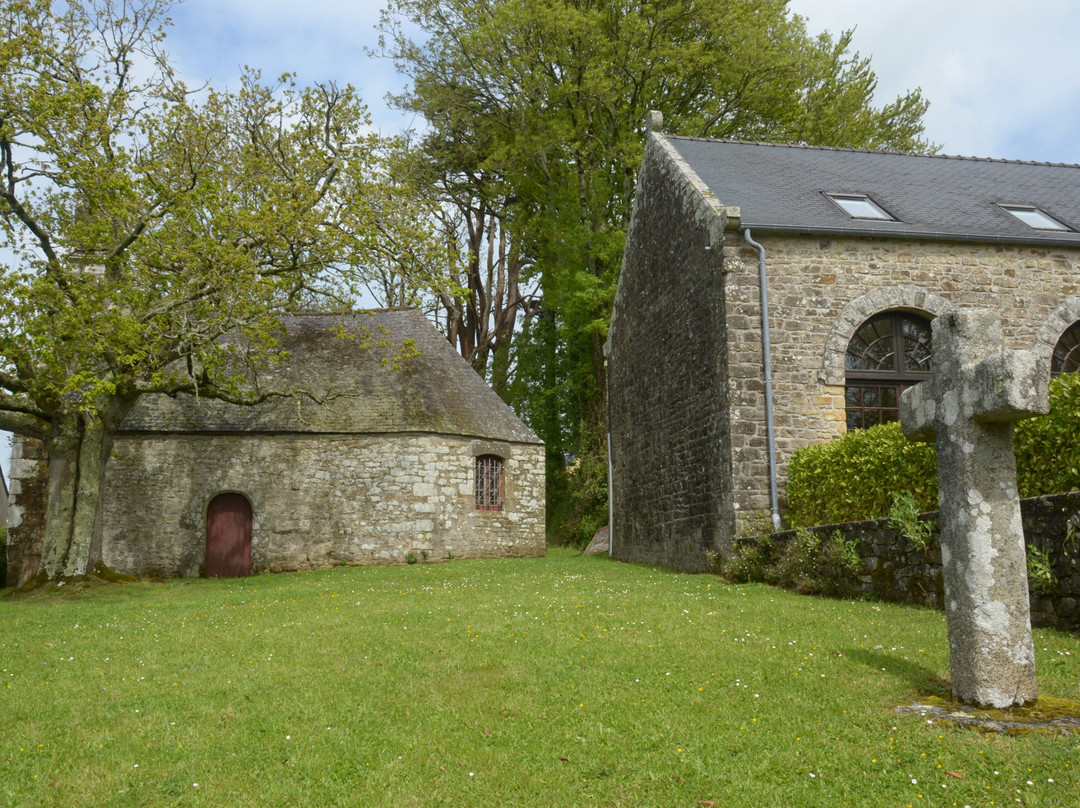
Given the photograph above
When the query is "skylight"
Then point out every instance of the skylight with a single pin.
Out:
(860, 206)
(1033, 217)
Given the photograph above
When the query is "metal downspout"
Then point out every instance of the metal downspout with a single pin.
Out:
(766, 350)
(610, 502)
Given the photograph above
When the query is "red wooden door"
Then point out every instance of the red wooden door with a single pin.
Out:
(228, 536)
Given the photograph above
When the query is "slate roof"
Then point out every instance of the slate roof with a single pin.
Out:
(782, 188)
(347, 389)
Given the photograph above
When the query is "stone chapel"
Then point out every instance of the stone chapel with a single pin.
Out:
(775, 296)
(381, 446)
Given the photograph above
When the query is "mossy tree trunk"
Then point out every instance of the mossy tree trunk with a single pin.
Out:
(71, 544)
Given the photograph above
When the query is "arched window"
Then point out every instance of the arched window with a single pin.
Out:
(889, 353)
(1066, 356)
(489, 483)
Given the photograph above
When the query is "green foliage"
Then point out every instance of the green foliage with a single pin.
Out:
(904, 519)
(810, 564)
(858, 476)
(1040, 570)
(870, 473)
(800, 562)
(804, 562)
(751, 562)
(586, 508)
(141, 222)
(545, 101)
(842, 554)
(410, 558)
(1048, 448)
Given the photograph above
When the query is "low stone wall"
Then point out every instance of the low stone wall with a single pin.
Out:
(895, 570)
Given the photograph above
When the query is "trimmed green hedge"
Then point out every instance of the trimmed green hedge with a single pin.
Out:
(858, 476)
(1048, 448)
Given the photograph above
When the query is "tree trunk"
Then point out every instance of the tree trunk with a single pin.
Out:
(72, 542)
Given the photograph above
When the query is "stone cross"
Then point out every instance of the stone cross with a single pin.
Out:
(977, 391)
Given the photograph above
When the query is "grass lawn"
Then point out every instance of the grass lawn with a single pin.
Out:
(564, 681)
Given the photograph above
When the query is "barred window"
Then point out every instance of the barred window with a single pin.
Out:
(889, 353)
(489, 483)
(1066, 356)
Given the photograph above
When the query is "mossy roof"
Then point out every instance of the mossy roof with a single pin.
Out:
(339, 377)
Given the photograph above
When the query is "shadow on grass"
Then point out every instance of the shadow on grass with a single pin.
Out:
(922, 679)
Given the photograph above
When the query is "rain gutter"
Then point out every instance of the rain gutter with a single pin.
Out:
(914, 235)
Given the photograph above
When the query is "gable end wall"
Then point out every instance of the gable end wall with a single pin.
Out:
(671, 469)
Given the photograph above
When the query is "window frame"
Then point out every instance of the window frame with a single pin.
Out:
(897, 379)
(1065, 357)
(877, 213)
(1018, 212)
(488, 482)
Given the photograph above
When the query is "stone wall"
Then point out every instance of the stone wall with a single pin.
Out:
(27, 495)
(895, 570)
(686, 392)
(822, 289)
(318, 500)
(666, 363)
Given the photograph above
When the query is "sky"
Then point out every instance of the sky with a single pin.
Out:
(1000, 75)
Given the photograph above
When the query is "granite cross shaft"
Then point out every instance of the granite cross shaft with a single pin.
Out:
(977, 391)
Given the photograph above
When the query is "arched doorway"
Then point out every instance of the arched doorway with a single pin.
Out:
(228, 536)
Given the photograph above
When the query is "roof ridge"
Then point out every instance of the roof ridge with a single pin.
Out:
(347, 312)
(812, 147)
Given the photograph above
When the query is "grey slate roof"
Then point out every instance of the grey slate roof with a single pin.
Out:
(346, 389)
(781, 188)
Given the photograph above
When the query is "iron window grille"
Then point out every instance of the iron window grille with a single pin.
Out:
(489, 483)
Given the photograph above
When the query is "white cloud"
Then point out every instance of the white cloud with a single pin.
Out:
(999, 75)
(319, 40)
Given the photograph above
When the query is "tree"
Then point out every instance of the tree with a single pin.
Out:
(557, 92)
(487, 288)
(452, 233)
(142, 223)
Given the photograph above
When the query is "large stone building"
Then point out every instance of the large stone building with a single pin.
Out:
(356, 462)
(847, 256)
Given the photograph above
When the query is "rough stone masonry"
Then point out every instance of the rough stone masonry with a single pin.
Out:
(978, 390)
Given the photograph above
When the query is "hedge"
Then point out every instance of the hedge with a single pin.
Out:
(859, 475)
(1048, 448)
(856, 477)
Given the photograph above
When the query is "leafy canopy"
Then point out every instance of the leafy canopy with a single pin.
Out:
(550, 97)
(141, 220)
